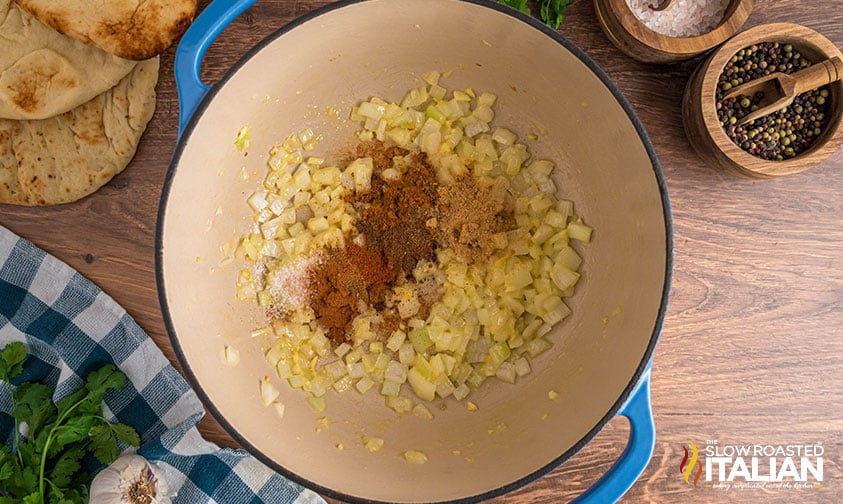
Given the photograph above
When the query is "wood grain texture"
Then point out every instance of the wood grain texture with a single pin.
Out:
(752, 350)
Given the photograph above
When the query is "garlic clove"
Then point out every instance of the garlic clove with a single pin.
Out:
(130, 479)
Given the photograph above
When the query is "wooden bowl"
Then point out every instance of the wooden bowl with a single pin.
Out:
(634, 38)
(702, 125)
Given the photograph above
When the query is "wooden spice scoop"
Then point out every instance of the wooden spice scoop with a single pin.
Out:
(780, 88)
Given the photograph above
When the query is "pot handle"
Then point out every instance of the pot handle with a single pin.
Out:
(191, 50)
(638, 452)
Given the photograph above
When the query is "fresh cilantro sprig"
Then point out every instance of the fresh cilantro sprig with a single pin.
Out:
(552, 12)
(44, 465)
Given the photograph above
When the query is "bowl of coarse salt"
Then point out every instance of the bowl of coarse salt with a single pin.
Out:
(661, 31)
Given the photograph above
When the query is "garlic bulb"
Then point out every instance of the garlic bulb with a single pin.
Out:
(130, 479)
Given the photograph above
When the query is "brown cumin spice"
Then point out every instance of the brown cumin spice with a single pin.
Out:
(402, 221)
(394, 213)
(471, 217)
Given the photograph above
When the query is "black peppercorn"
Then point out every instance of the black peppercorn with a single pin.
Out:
(785, 133)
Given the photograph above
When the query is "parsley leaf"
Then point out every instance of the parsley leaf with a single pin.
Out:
(552, 12)
(11, 361)
(126, 433)
(518, 4)
(74, 430)
(43, 465)
(98, 383)
(104, 443)
(66, 466)
(34, 405)
(34, 498)
(7, 470)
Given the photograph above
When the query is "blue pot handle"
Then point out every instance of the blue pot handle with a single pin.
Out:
(195, 42)
(635, 458)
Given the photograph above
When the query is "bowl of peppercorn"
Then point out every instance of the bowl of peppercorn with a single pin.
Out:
(721, 125)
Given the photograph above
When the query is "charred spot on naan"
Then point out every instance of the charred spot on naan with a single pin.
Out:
(134, 39)
(135, 32)
(28, 83)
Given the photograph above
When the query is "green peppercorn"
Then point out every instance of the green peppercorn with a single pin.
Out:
(793, 127)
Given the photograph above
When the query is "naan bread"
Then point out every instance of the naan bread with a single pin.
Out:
(44, 73)
(67, 157)
(132, 29)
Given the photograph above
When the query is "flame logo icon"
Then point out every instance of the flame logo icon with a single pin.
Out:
(686, 467)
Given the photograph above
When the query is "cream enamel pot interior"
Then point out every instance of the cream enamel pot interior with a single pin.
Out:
(333, 58)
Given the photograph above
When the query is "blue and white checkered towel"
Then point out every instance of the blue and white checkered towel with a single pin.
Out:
(71, 327)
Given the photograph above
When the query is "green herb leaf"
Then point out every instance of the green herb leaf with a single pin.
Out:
(77, 499)
(517, 4)
(11, 361)
(552, 12)
(66, 466)
(75, 429)
(126, 433)
(34, 406)
(7, 469)
(34, 498)
(44, 466)
(103, 444)
(64, 404)
(23, 482)
(98, 383)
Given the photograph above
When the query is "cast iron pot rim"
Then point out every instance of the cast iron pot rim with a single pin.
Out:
(338, 494)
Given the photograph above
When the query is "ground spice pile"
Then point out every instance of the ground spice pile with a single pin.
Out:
(345, 279)
(471, 218)
(402, 220)
(395, 214)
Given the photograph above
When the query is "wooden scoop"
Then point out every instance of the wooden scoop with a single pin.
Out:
(661, 5)
(780, 88)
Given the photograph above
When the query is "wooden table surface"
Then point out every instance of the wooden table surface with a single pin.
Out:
(752, 348)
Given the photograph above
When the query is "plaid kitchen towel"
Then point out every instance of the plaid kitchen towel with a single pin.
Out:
(71, 327)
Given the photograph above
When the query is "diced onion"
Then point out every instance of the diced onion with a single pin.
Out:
(268, 391)
(372, 444)
(415, 456)
(492, 317)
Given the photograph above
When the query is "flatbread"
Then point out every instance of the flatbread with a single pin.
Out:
(132, 29)
(67, 157)
(44, 73)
